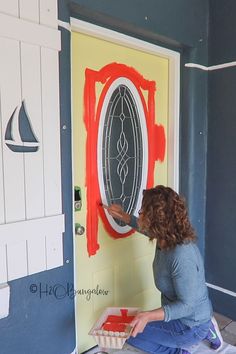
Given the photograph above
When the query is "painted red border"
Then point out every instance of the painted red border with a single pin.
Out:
(156, 140)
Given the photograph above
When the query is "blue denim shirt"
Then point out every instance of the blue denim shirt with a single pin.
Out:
(180, 277)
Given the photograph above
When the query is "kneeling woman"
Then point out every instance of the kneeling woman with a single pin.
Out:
(184, 319)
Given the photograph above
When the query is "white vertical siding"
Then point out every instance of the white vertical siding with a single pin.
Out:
(28, 247)
(54, 251)
(29, 10)
(36, 254)
(9, 7)
(51, 128)
(31, 220)
(13, 163)
(3, 264)
(2, 198)
(31, 93)
(16, 255)
(48, 13)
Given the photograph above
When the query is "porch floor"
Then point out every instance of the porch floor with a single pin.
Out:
(227, 328)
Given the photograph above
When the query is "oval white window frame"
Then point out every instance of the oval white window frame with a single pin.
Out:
(142, 118)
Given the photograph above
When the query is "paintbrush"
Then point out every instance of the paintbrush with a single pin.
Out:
(103, 205)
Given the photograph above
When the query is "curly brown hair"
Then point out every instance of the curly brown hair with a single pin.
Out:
(164, 217)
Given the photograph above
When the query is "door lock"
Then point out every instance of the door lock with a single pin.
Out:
(77, 199)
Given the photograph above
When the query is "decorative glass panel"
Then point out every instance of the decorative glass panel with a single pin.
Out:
(122, 155)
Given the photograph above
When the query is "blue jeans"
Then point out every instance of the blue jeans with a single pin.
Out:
(168, 337)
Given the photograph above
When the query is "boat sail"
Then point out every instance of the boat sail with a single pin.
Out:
(19, 135)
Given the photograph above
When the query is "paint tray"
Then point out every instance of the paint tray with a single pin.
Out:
(112, 339)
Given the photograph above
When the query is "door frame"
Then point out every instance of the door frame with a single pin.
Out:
(174, 93)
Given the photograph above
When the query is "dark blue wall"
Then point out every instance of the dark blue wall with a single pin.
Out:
(193, 146)
(46, 325)
(179, 22)
(221, 168)
(222, 31)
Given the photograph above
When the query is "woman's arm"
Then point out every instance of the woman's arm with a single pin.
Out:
(116, 211)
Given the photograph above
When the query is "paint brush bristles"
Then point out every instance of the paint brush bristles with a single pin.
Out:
(103, 205)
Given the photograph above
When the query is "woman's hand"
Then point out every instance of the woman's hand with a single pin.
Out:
(116, 211)
(139, 322)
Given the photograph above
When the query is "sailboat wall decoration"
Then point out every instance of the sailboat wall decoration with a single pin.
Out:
(19, 135)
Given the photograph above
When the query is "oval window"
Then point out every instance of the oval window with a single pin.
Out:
(122, 149)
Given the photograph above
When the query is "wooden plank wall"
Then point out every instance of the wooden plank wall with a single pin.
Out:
(31, 220)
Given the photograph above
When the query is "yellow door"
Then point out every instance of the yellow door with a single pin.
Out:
(119, 273)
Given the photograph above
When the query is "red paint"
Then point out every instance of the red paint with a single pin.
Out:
(115, 327)
(91, 163)
(117, 323)
(156, 139)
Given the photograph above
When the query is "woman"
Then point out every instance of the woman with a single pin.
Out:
(184, 317)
